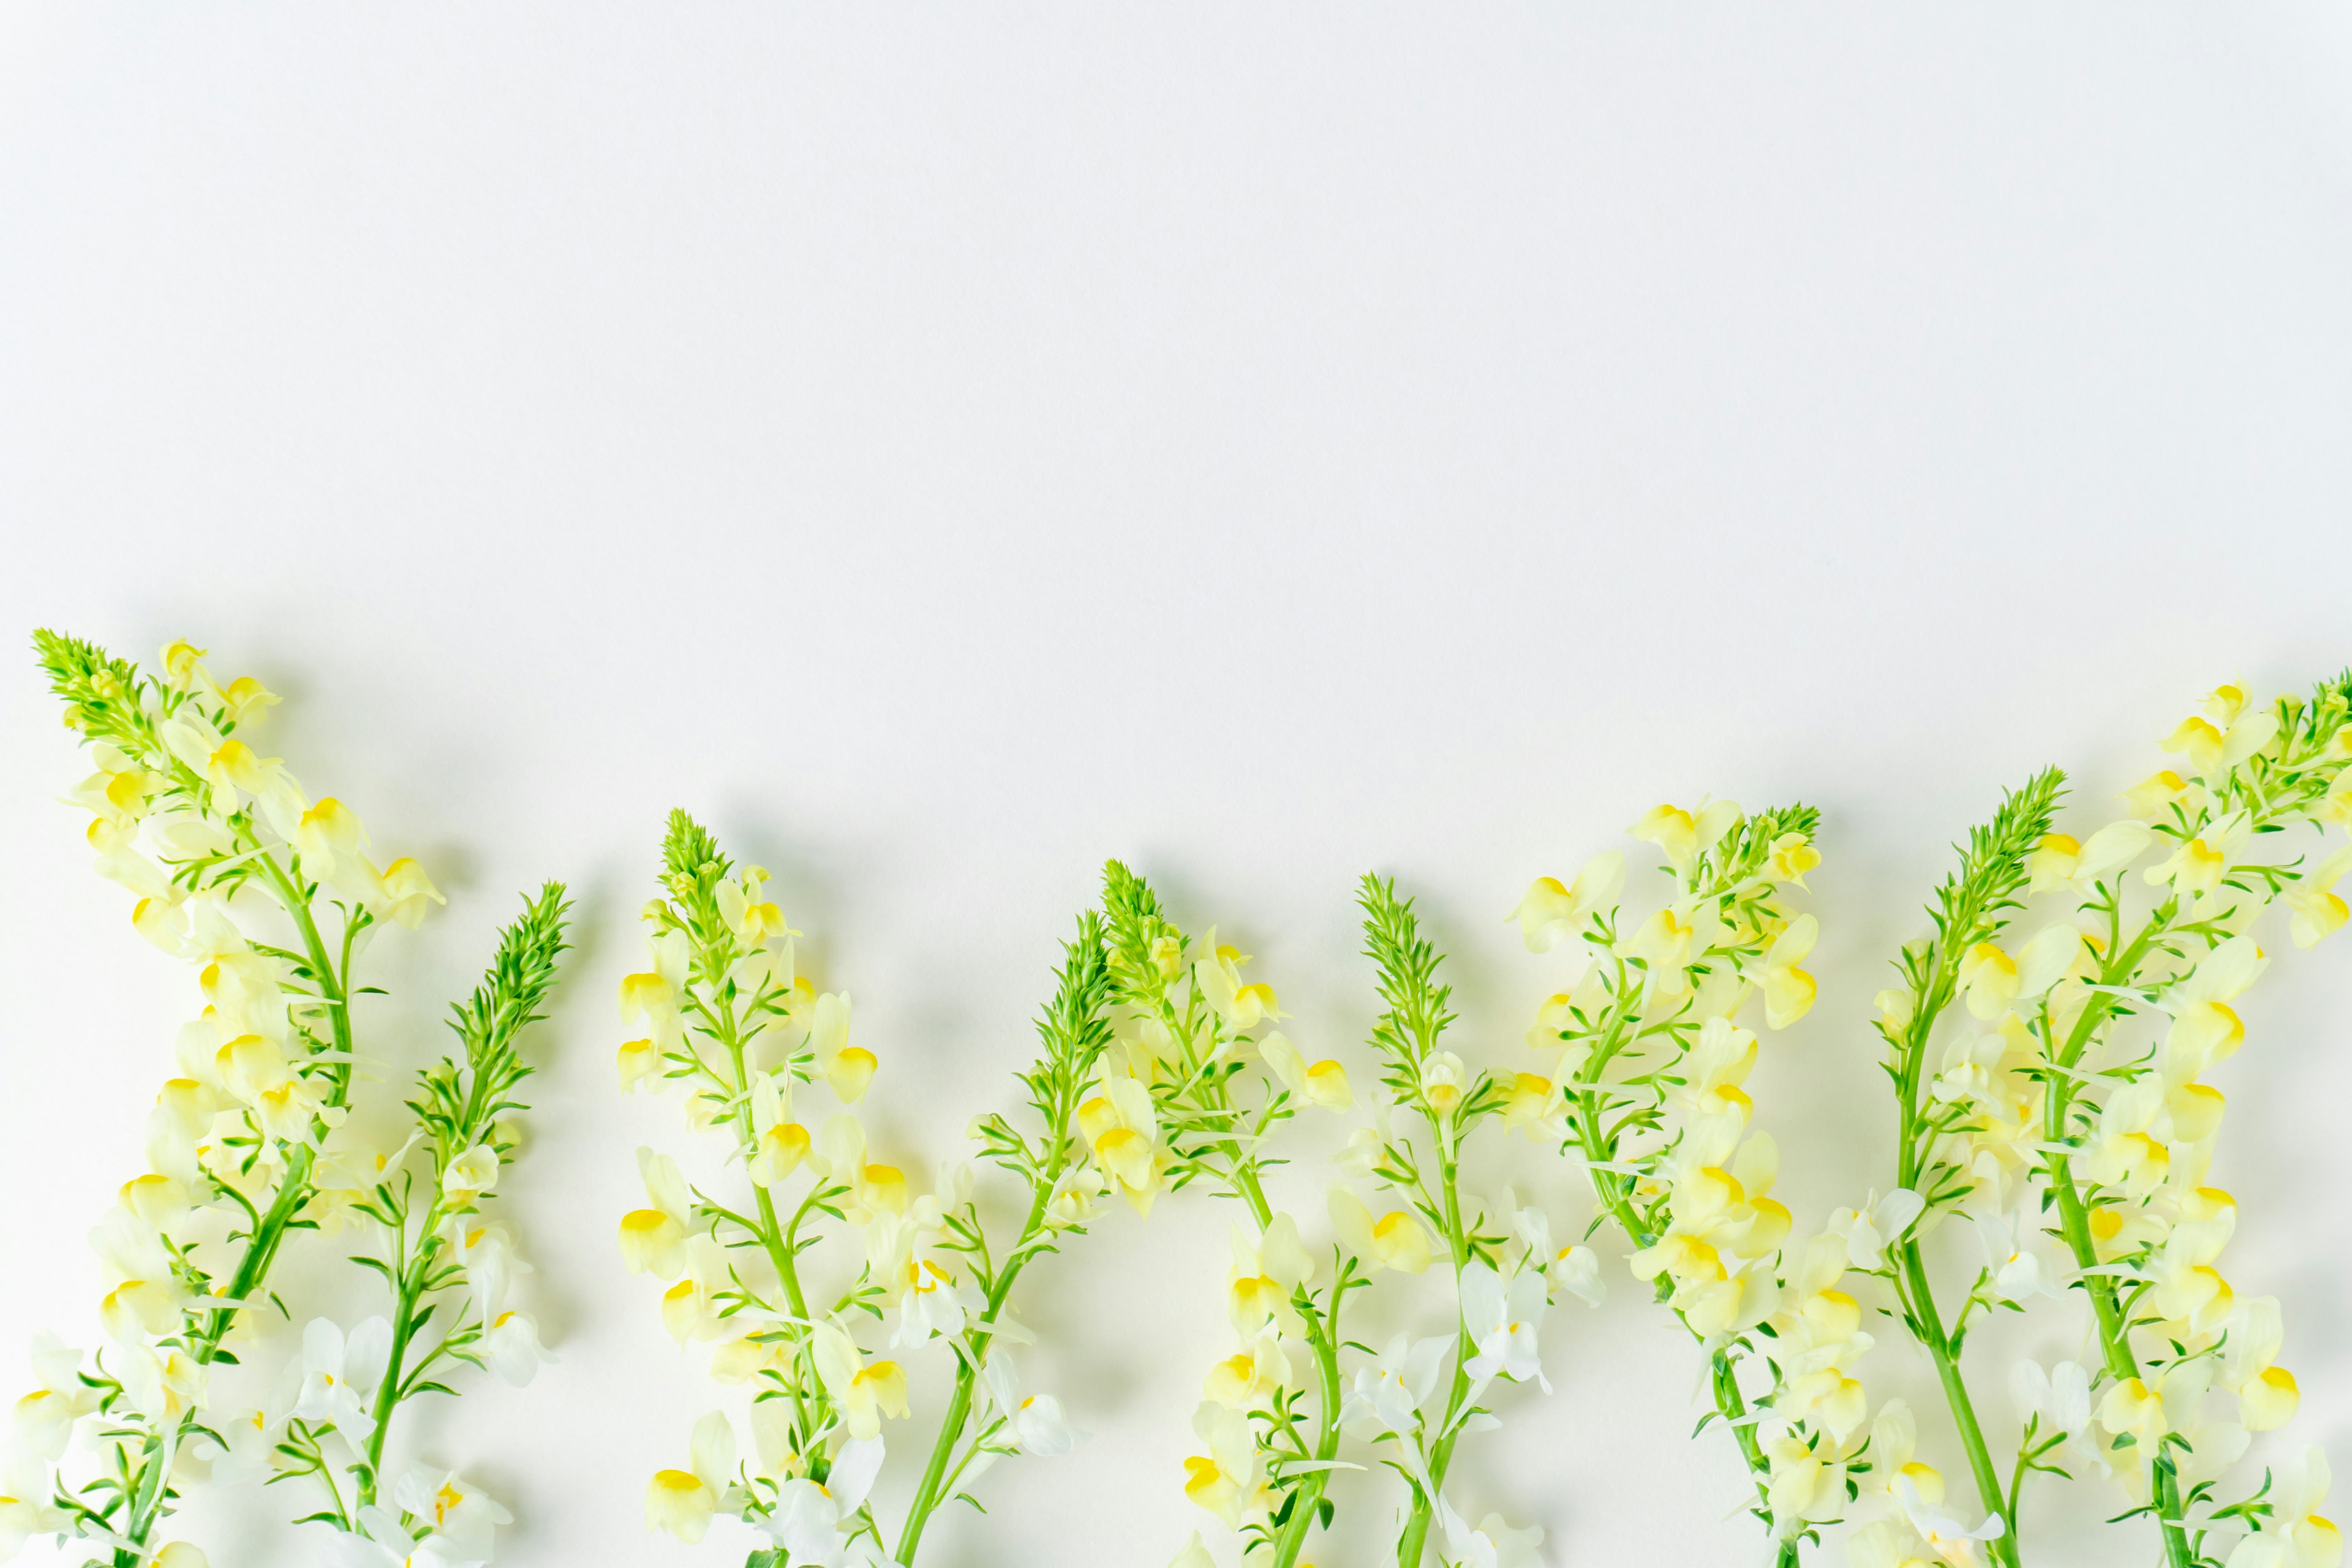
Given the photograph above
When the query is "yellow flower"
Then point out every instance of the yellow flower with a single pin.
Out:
(1549, 912)
(1227, 1480)
(2317, 911)
(1530, 1102)
(779, 1143)
(408, 892)
(1250, 1379)
(1324, 1084)
(637, 1060)
(1672, 830)
(1989, 976)
(1395, 1241)
(1123, 1130)
(1444, 1081)
(847, 1068)
(866, 1393)
(653, 1240)
(2052, 862)
(247, 700)
(1219, 976)
(2205, 1028)
(2195, 868)
(181, 660)
(1793, 855)
(682, 1501)
(2149, 796)
(2131, 1407)
(1788, 991)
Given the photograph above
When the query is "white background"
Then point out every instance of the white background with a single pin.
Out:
(949, 446)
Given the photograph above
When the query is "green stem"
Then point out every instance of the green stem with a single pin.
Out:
(951, 1426)
(1926, 1322)
(2074, 1224)
(147, 1509)
(1613, 1191)
(1291, 1539)
(1441, 1457)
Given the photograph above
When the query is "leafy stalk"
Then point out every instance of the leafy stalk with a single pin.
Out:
(1971, 906)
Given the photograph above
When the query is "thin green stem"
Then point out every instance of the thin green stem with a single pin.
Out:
(1322, 1341)
(2075, 1226)
(928, 1494)
(147, 1508)
(1919, 1295)
(1411, 1543)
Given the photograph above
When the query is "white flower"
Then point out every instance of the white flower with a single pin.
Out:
(1494, 1545)
(808, 1520)
(162, 1385)
(1387, 1395)
(339, 1374)
(1879, 1223)
(464, 1521)
(1502, 1321)
(512, 1348)
(1039, 1423)
(470, 1175)
(1939, 1529)
(25, 1510)
(381, 1542)
(2058, 1400)
(486, 1252)
(2016, 1267)
(43, 1419)
(247, 1441)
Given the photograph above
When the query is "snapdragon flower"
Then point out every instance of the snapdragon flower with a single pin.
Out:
(270, 897)
(1651, 1065)
(729, 1018)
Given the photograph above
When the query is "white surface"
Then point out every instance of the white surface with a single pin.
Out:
(947, 447)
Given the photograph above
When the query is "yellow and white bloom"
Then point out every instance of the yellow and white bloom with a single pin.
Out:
(653, 1239)
(1547, 913)
(1266, 1273)
(1325, 1083)
(1229, 1480)
(865, 1392)
(1503, 1320)
(1395, 1241)
(1219, 976)
(1386, 1396)
(1788, 991)
(2317, 911)
(2205, 1028)
(2296, 1535)
(1036, 1420)
(683, 1501)
(810, 1521)
(781, 1143)
(339, 1374)
(462, 1521)
(2267, 1394)
(846, 1068)
(1121, 1127)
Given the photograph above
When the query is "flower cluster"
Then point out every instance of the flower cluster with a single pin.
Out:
(1650, 1060)
(2045, 1116)
(450, 1272)
(271, 897)
(732, 1022)
(1196, 1083)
